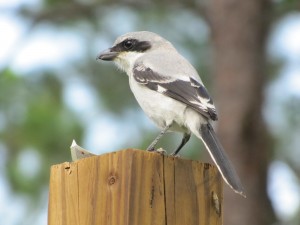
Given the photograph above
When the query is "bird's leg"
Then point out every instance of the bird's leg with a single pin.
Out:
(152, 145)
(185, 139)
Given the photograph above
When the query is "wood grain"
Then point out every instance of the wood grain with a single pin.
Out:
(134, 187)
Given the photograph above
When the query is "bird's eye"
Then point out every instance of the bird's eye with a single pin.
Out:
(128, 44)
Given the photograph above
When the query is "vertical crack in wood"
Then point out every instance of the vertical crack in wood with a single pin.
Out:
(152, 194)
(174, 186)
(63, 195)
(165, 193)
(78, 196)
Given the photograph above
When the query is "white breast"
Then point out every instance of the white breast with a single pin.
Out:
(158, 107)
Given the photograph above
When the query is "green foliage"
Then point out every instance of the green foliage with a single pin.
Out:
(36, 118)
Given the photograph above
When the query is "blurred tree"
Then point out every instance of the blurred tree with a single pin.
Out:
(35, 119)
(239, 33)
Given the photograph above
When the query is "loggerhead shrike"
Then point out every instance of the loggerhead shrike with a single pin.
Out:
(171, 93)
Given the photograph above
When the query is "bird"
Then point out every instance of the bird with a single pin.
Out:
(171, 93)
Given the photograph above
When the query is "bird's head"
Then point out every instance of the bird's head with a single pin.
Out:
(129, 47)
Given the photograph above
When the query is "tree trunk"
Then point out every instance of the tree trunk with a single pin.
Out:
(239, 32)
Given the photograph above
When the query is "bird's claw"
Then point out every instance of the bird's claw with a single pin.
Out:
(150, 149)
(159, 150)
(175, 155)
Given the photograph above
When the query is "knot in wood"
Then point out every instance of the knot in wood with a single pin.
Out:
(112, 179)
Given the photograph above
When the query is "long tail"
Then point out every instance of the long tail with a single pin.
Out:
(216, 151)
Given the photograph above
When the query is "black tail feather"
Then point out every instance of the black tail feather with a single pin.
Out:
(220, 158)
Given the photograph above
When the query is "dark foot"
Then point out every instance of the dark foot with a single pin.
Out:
(150, 149)
(185, 139)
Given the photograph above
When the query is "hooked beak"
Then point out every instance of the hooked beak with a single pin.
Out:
(107, 55)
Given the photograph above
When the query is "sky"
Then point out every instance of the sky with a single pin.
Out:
(284, 44)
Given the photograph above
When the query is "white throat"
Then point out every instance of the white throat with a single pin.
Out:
(125, 60)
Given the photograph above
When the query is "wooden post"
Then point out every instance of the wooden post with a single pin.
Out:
(135, 187)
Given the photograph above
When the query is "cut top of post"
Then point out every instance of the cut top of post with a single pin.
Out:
(134, 187)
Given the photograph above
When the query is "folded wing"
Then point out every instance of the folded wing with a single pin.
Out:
(188, 91)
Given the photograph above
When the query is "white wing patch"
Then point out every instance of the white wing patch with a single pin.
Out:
(161, 89)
